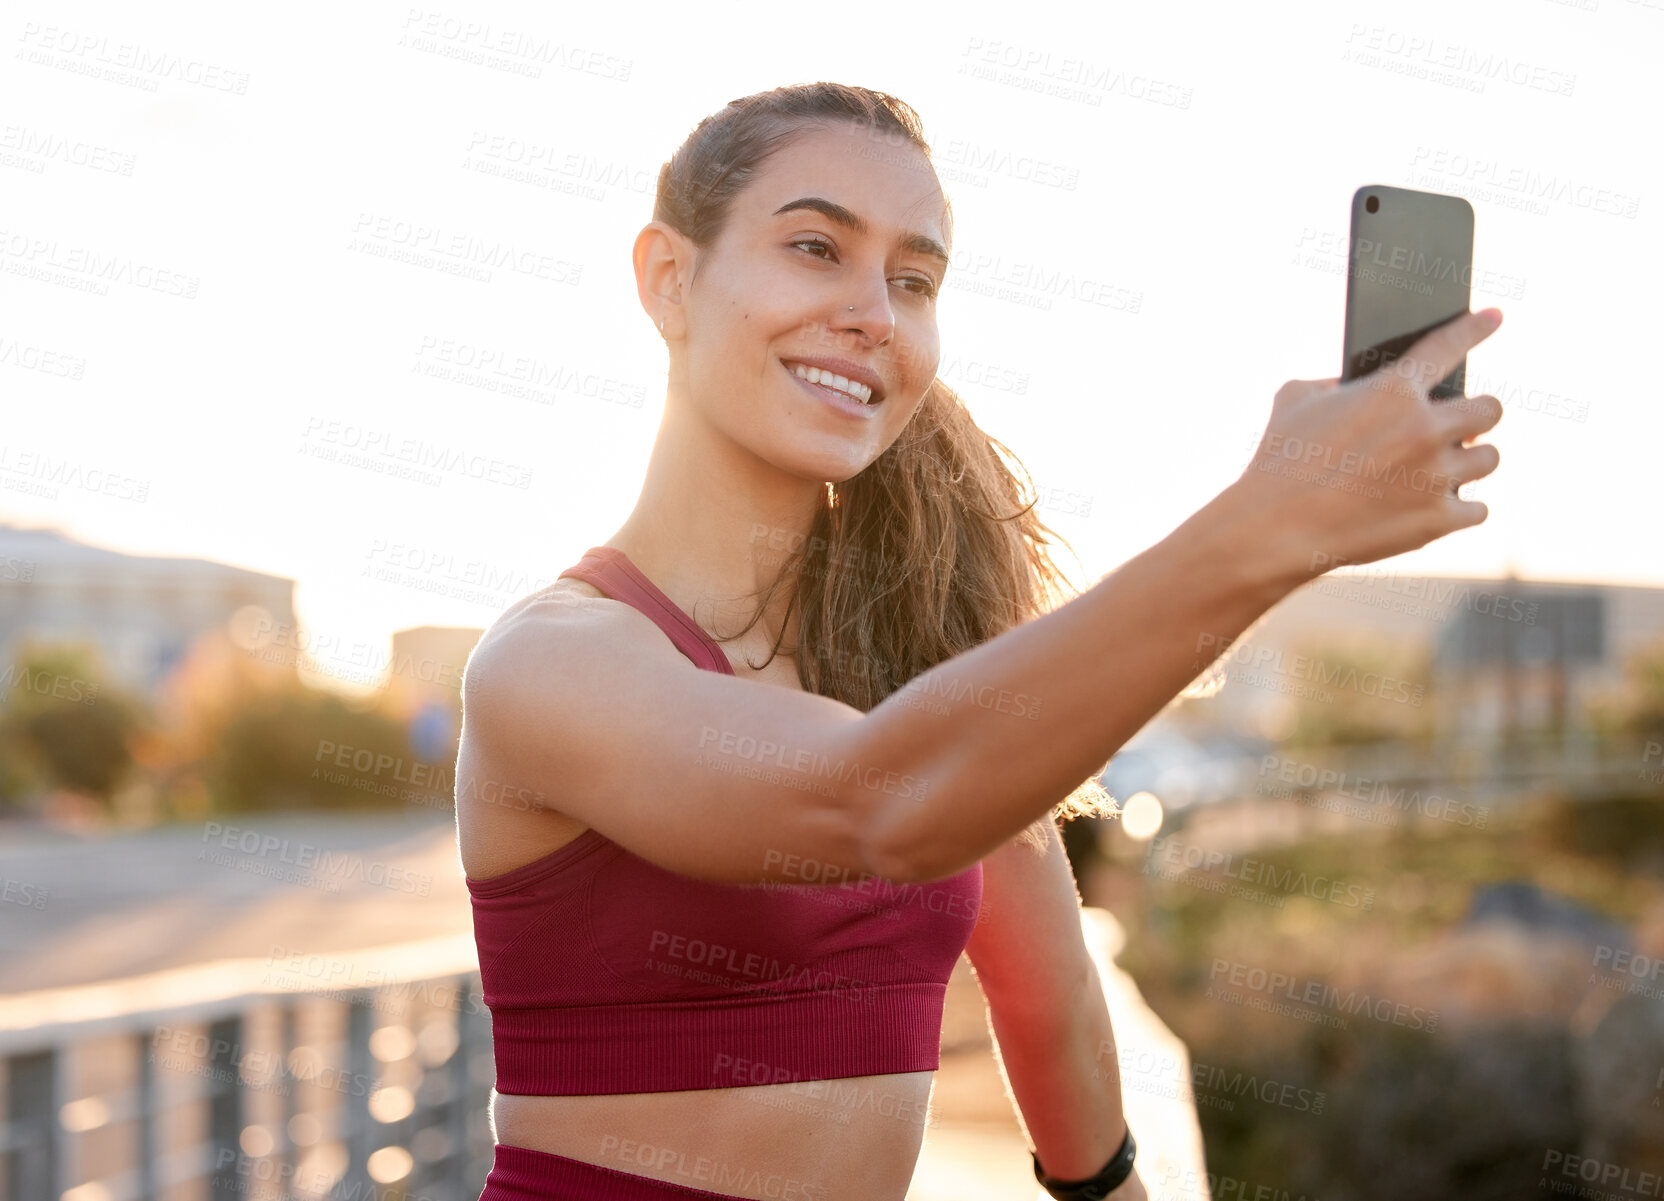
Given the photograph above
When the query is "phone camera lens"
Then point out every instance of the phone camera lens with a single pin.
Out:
(1372, 203)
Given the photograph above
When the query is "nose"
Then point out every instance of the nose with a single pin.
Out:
(868, 310)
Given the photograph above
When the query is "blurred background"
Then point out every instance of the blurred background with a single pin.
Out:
(319, 346)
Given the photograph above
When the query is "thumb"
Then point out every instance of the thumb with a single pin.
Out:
(1294, 389)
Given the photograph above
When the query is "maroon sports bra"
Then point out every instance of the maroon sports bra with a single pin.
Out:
(607, 974)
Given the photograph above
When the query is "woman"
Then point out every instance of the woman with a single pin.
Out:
(715, 957)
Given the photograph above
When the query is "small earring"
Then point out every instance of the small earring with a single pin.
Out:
(661, 325)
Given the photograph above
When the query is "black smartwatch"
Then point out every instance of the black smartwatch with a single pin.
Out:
(1114, 1174)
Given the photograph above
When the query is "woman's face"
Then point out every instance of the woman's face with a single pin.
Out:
(777, 288)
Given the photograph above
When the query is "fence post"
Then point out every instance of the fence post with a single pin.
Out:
(360, 1023)
(34, 1167)
(225, 1105)
(145, 1119)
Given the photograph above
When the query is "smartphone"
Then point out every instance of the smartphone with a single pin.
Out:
(1409, 270)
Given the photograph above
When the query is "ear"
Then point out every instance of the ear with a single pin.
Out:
(660, 255)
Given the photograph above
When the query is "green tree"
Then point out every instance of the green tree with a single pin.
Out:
(281, 748)
(63, 726)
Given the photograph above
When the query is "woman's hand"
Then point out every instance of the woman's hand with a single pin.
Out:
(1354, 472)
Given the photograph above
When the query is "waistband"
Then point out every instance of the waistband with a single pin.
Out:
(673, 1046)
(522, 1174)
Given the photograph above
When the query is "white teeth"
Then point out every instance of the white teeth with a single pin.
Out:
(827, 379)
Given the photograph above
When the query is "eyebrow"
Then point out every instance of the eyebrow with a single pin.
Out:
(916, 243)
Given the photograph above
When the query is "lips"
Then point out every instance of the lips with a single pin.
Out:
(849, 370)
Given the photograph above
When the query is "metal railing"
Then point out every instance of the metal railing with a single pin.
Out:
(274, 1089)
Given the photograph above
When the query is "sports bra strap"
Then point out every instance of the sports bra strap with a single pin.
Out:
(608, 569)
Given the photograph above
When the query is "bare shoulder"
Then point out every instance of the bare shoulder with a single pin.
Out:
(545, 645)
(571, 623)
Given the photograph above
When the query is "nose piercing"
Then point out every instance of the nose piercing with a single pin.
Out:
(852, 308)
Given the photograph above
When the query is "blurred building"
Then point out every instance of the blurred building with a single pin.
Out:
(1488, 657)
(141, 612)
(426, 665)
(424, 684)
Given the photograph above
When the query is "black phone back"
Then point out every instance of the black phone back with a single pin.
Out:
(1409, 270)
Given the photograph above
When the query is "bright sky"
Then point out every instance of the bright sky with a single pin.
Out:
(1192, 165)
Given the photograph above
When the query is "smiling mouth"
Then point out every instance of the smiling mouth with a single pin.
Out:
(852, 389)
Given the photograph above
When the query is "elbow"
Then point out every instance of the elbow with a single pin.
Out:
(888, 813)
(881, 856)
(895, 843)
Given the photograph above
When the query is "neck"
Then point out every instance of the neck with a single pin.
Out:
(714, 523)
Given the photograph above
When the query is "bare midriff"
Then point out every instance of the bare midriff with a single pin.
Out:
(814, 1141)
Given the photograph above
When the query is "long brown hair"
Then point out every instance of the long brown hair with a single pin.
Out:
(931, 549)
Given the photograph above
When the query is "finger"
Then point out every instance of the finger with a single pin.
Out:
(1436, 353)
(1466, 513)
(1475, 462)
(1464, 417)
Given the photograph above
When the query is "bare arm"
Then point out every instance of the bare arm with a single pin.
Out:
(733, 780)
(1046, 1007)
(1381, 480)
